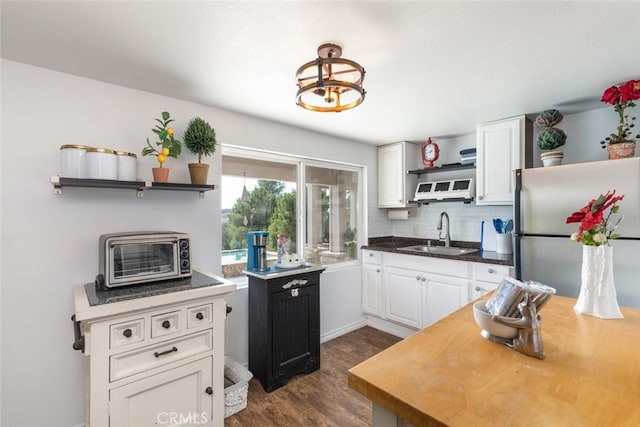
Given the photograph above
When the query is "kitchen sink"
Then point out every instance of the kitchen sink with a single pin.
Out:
(441, 250)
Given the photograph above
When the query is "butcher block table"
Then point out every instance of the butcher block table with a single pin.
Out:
(447, 374)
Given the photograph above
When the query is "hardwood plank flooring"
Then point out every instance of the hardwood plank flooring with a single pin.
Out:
(323, 397)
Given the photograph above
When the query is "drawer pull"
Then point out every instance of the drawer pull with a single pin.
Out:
(162, 353)
(166, 324)
(199, 316)
(127, 333)
(209, 390)
(491, 270)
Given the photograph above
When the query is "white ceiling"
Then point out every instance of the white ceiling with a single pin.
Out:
(433, 68)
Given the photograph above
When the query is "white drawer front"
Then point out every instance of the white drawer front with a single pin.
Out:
(200, 315)
(133, 362)
(371, 257)
(165, 324)
(490, 272)
(126, 333)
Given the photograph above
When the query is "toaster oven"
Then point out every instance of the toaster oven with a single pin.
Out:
(133, 258)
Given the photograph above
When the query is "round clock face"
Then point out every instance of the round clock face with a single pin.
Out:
(430, 152)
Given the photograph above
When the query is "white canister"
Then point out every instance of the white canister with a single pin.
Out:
(73, 161)
(102, 163)
(504, 243)
(127, 166)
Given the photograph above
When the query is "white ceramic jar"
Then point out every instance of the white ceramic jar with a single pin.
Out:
(73, 161)
(127, 166)
(102, 163)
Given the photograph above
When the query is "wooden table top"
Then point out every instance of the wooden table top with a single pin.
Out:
(447, 374)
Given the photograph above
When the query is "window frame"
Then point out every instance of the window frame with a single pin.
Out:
(301, 163)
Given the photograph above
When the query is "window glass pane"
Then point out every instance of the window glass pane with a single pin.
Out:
(331, 214)
(257, 195)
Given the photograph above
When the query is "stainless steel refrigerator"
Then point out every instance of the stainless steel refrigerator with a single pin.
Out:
(545, 197)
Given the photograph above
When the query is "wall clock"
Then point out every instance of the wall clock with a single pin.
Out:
(430, 153)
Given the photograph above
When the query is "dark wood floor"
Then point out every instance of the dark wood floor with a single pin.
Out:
(321, 398)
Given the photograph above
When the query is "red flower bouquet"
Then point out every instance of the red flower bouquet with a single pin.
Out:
(622, 97)
(595, 229)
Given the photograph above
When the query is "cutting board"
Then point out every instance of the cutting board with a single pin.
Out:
(487, 236)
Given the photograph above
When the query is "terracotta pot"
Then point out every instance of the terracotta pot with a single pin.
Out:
(621, 150)
(198, 173)
(160, 174)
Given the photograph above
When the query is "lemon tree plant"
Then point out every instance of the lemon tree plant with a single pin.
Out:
(167, 146)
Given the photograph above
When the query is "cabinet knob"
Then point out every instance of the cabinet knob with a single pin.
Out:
(127, 333)
(208, 390)
(480, 197)
(418, 278)
(479, 289)
(370, 254)
(424, 279)
(166, 324)
(199, 316)
(491, 271)
(378, 270)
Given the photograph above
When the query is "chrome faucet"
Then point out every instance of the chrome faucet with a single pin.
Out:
(447, 237)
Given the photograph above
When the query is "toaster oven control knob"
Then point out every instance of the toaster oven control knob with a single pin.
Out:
(184, 264)
(166, 324)
(184, 244)
(199, 316)
(127, 333)
(184, 254)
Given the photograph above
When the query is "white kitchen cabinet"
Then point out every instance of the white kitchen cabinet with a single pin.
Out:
(418, 291)
(402, 296)
(486, 277)
(395, 187)
(155, 360)
(502, 147)
(372, 282)
(441, 296)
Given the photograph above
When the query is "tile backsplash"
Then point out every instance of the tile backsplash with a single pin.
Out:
(465, 220)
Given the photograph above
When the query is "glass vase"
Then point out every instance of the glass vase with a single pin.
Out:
(597, 293)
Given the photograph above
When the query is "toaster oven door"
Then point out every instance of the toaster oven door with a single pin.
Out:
(142, 261)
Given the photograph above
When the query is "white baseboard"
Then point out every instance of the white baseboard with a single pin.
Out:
(390, 327)
(343, 330)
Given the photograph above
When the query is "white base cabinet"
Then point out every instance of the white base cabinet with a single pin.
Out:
(416, 291)
(157, 360)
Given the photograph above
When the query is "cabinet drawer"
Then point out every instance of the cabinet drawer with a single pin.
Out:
(490, 273)
(200, 315)
(126, 333)
(371, 257)
(165, 324)
(133, 362)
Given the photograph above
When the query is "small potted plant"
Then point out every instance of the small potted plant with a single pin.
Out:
(622, 143)
(200, 139)
(167, 146)
(551, 137)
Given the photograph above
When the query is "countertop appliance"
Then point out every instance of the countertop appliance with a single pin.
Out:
(257, 250)
(545, 197)
(139, 257)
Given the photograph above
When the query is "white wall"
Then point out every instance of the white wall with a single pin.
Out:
(49, 243)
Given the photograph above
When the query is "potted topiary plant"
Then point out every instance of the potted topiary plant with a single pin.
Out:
(551, 137)
(200, 139)
(167, 146)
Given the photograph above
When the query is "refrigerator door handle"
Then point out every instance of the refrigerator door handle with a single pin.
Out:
(517, 228)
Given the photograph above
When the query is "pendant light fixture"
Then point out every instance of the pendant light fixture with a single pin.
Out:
(330, 83)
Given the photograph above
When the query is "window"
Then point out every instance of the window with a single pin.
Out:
(260, 193)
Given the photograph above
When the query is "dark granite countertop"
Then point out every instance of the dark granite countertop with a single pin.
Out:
(394, 243)
(197, 280)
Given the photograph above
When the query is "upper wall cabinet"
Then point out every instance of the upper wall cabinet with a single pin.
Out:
(395, 187)
(502, 147)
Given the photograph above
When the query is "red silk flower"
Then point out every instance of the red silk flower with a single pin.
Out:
(592, 214)
(630, 91)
